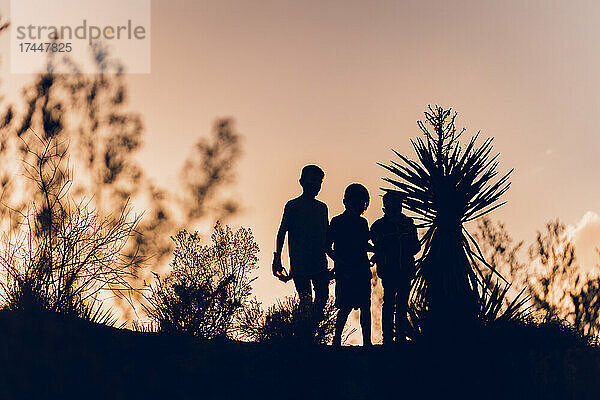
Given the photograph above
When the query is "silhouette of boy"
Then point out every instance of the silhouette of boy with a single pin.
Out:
(395, 239)
(347, 245)
(305, 220)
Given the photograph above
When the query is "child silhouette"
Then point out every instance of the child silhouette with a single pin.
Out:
(347, 245)
(305, 221)
(396, 243)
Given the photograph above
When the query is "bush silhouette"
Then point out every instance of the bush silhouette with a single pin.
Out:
(207, 286)
(285, 322)
(64, 258)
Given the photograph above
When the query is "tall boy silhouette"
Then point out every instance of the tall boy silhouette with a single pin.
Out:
(305, 220)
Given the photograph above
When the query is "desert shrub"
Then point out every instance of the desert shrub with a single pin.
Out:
(138, 325)
(208, 285)
(63, 259)
(556, 283)
(93, 114)
(286, 322)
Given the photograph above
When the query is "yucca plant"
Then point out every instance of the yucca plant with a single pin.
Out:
(447, 186)
(494, 309)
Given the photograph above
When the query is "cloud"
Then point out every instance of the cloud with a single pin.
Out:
(586, 236)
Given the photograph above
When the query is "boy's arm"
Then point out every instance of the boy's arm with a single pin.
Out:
(280, 239)
(283, 229)
(374, 236)
(329, 238)
(367, 236)
(415, 244)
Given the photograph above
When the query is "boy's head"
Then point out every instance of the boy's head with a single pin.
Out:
(311, 180)
(356, 198)
(392, 202)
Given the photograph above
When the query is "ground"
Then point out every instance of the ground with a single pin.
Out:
(44, 357)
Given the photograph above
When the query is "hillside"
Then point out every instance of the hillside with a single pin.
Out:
(48, 357)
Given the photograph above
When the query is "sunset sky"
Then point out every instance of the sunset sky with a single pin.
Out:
(340, 83)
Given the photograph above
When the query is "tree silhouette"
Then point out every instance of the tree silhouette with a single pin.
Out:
(559, 289)
(446, 187)
(504, 255)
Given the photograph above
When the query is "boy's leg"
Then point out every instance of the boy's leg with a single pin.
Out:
(401, 321)
(340, 322)
(321, 285)
(304, 292)
(365, 324)
(387, 313)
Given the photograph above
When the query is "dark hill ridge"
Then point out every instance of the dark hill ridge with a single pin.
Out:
(47, 357)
